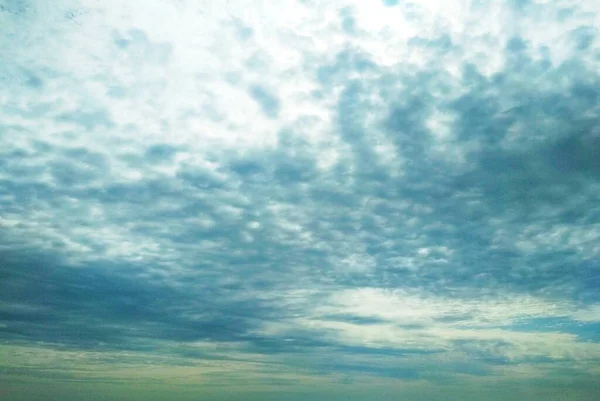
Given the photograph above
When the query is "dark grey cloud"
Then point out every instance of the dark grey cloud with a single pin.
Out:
(514, 183)
(108, 305)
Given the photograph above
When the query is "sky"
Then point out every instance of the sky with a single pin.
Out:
(299, 200)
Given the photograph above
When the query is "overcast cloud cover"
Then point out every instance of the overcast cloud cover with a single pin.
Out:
(299, 200)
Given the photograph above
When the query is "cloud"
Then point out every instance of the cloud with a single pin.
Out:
(356, 193)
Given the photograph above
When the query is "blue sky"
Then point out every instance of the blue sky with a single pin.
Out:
(299, 200)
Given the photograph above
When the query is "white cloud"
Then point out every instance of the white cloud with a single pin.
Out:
(588, 314)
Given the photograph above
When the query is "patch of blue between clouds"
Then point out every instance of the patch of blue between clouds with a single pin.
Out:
(583, 330)
(268, 102)
(349, 25)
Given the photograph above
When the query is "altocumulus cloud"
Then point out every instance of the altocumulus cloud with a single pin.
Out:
(306, 199)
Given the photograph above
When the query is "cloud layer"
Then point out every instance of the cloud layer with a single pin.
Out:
(301, 195)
